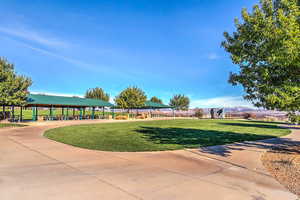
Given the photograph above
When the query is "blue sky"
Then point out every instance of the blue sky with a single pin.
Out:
(164, 47)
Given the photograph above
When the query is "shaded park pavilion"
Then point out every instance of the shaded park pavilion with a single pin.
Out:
(71, 107)
(68, 105)
(50, 107)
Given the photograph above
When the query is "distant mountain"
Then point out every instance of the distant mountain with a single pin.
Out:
(232, 109)
(241, 109)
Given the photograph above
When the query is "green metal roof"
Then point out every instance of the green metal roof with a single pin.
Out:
(41, 99)
(150, 104)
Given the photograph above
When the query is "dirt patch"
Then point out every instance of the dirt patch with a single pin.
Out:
(284, 165)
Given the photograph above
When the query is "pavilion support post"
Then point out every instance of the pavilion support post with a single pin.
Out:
(93, 113)
(67, 115)
(13, 113)
(21, 114)
(103, 114)
(84, 113)
(34, 113)
(113, 113)
(173, 113)
(51, 113)
(62, 113)
(80, 114)
(73, 113)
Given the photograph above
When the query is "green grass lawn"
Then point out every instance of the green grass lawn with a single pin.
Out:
(3, 125)
(164, 134)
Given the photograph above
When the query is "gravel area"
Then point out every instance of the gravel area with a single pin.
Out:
(284, 165)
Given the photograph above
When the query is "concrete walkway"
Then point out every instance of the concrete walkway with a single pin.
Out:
(35, 168)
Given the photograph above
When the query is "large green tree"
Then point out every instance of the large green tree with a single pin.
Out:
(266, 46)
(131, 97)
(97, 93)
(13, 87)
(180, 102)
(156, 100)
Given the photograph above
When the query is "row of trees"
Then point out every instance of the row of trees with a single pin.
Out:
(134, 97)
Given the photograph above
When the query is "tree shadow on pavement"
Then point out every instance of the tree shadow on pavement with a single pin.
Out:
(282, 144)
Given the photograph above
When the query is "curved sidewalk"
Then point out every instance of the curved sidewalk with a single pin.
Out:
(33, 167)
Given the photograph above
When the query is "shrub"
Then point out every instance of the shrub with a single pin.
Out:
(199, 113)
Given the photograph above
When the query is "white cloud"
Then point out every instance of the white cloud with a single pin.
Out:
(213, 56)
(217, 102)
(34, 36)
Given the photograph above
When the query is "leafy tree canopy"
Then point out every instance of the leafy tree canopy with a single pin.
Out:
(13, 87)
(97, 93)
(131, 97)
(156, 100)
(266, 46)
(180, 102)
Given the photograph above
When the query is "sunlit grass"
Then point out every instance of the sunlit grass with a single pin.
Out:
(164, 134)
